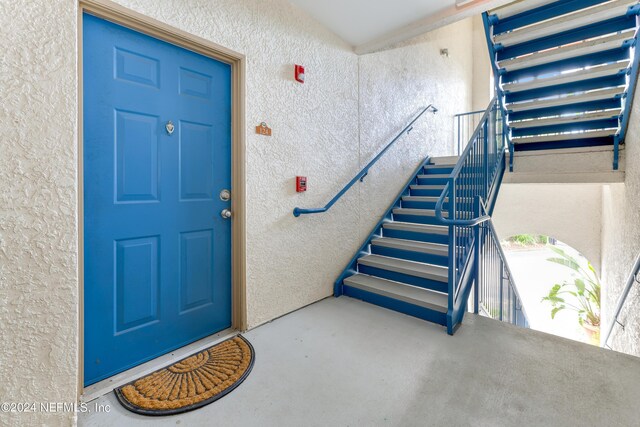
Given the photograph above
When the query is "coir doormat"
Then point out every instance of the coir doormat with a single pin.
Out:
(192, 382)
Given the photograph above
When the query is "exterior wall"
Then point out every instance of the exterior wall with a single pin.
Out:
(317, 133)
(572, 213)
(39, 290)
(394, 86)
(290, 261)
(482, 71)
(621, 242)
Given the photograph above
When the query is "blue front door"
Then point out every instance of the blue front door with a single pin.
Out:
(157, 154)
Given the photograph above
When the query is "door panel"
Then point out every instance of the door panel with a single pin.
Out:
(157, 251)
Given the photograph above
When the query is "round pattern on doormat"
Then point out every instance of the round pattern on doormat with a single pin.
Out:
(192, 382)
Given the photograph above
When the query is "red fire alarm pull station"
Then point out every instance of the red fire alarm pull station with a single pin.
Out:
(301, 184)
(299, 73)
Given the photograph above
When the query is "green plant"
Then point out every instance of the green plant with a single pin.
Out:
(528, 239)
(543, 239)
(523, 239)
(585, 288)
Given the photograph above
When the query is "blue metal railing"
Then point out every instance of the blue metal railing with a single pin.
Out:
(495, 293)
(631, 84)
(475, 180)
(466, 124)
(360, 176)
(633, 278)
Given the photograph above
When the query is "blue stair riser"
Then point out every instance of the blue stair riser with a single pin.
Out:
(416, 219)
(611, 123)
(581, 107)
(597, 58)
(594, 30)
(432, 181)
(437, 171)
(404, 278)
(581, 86)
(410, 255)
(395, 305)
(541, 13)
(426, 192)
(575, 143)
(421, 237)
(411, 204)
(425, 219)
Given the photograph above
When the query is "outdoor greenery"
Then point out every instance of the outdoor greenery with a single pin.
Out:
(528, 239)
(584, 288)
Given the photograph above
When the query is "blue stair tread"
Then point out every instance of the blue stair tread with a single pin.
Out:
(439, 166)
(583, 48)
(422, 198)
(428, 187)
(417, 212)
(564, 78)
(411, 268)
(444, 160)
(566, 100)
(412, 245)
(564, 137)
(517, 8)
(417, 228)
(434, 176)
(565, 23)
(415, 295)
(571, 143)
(575, 118)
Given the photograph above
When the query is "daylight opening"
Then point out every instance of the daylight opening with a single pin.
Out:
(558, 286)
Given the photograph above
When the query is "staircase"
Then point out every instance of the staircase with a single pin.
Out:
(436, 241)
(404, 265)
(566, 71)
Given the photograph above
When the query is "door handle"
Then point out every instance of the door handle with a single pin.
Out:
(225, 213)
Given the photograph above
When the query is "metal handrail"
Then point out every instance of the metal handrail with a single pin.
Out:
(476, 176)
(456, 171)
(464, 121)
(503, 257)
(633, 277)
(469, 113)
(360, 176)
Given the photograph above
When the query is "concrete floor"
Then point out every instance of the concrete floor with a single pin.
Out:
(342, 362)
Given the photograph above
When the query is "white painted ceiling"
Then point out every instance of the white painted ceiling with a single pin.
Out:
(362, 21)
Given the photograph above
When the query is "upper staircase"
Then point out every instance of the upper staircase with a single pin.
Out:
(566, 71)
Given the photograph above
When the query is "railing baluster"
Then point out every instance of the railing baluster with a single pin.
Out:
(473, 183)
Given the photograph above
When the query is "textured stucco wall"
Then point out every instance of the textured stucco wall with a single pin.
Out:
(350, 107)
(38, 224)
(325, 129)
(621, 242)
(394, 86)
(572, 213)
(482, 72)
(289, 261)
